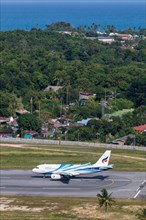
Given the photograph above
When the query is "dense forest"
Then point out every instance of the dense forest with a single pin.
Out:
(33, 60)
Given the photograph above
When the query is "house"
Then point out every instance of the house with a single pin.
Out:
(8, 126)
(65, 32)
(122, 140)
(124, 36)
(13, 122)
(85, 121)
(59, 122)
(57, 125)
(31, 134)
(91, 38)
(140, 128)
(118, 142)
(104, 39)
(68, 32)
(135, 37)
(53, 88)
(86, 95)
(4, 120)
(6, 134)
(22, 112)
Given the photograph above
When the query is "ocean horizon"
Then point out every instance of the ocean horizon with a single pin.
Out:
(27, 15)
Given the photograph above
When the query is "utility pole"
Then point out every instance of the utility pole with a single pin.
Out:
(102, 107)
(133, 141)
(31, 105)
(39, 109)
(53, 109)
(60, 107)
(105, 94)
(67, 95)
(78, 136)
(115, 97)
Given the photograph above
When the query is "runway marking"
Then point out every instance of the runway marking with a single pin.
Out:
(137, 194)
(112, 182)
(62, 188)
(3, 177)
(36, 187)
(140, 188)
(144, 182)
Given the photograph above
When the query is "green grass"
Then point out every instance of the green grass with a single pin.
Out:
(60, 208)
(121, 112)
(29, 157)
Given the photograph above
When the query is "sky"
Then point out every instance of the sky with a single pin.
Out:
(73, 1)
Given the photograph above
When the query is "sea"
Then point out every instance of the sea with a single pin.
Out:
(28, 15)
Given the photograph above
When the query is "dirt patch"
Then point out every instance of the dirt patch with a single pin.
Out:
(89, 211)
(133, 208)
(11, 145)
(134, 158)
(5, 205)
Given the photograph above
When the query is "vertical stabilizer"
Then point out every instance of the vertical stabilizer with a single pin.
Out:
(104, 159)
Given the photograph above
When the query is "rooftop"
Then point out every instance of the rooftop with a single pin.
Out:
(140, 128)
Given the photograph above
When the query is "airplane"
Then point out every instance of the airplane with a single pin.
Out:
(60, 171)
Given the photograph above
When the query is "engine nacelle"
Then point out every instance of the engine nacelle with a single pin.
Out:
(56, 176)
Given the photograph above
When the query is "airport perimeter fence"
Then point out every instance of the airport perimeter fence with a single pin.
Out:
(68, 143)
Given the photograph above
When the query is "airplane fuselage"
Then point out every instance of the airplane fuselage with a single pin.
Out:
(75, 169)
(57, 171)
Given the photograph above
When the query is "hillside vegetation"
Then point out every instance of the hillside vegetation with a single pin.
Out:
(32, 60)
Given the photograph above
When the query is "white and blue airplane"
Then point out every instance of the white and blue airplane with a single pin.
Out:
(60, 171)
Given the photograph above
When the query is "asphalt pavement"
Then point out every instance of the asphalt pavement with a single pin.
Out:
(121, 184)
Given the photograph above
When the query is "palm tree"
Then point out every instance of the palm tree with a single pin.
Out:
(142, 214)
(105, 199)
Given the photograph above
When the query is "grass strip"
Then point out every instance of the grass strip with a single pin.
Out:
(30, 156)
(60, 208)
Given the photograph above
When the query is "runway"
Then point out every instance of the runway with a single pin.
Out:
(121, 184)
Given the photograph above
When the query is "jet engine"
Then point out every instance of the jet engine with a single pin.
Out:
(56, 176)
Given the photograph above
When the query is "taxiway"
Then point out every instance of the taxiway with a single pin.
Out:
(121, 184)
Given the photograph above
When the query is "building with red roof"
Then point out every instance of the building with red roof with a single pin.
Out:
(86, 95)
(140, 128)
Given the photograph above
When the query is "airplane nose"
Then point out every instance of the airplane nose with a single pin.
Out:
(34, 170)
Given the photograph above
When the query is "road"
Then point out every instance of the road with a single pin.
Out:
(121, 184)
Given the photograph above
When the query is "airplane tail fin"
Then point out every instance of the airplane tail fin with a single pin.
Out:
(104, 159)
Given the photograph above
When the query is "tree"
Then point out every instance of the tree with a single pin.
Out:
(9, 103)
(139, 115)
(29, 122)
(86, 133)
(141, 215)
(104, 199)
(137, 91)
(60, 26)
(121, 103)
